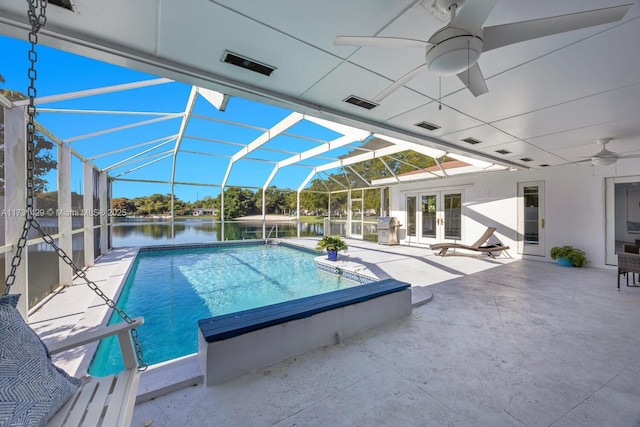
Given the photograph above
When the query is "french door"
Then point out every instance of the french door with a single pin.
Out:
(622, 214)
(434, 217)
(531, 218)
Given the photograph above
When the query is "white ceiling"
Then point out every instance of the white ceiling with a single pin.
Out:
(549, 99)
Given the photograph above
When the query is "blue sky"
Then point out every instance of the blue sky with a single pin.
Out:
(61, 72)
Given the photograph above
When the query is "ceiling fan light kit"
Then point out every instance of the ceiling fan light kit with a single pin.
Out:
(602, 161)
(454, 51)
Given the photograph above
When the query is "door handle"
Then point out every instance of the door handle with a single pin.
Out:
(542, 223)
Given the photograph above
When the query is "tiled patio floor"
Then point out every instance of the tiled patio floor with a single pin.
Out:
(504, 342)
(523, 343)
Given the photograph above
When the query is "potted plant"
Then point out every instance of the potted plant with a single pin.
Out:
(332, 244)
(568, 256)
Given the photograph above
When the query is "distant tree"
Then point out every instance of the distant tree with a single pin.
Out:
(275, 200)
(238, 202)
(291, 201)
(207, 202)
(372, 199)
(47, 200)
(124, 204)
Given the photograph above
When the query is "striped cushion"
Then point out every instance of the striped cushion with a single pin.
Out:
(32, 388)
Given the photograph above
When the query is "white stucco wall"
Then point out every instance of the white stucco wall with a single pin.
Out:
(574, 205)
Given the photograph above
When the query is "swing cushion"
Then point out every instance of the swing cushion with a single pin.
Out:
(32, 388)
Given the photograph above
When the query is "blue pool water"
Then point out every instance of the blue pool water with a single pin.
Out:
(173, 289)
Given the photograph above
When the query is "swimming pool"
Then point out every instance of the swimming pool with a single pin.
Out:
(174, 288)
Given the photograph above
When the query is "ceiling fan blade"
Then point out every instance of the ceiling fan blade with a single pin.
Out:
(379, 41)
(516, 32)
(472, 14)
(629, 156)
(399, 83)
(474, 80)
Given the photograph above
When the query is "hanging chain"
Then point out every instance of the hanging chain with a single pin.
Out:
(83, 275)
(37, 21)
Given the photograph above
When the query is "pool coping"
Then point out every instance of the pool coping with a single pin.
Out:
(183, 370)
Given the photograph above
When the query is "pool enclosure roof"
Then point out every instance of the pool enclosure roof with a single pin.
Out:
(208, 138)
(548, 99)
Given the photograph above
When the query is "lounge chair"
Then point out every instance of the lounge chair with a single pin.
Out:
(476, 247)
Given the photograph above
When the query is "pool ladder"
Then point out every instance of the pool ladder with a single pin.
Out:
(270, 231)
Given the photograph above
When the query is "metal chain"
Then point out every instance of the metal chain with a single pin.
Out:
(37, 21)
(92, 285)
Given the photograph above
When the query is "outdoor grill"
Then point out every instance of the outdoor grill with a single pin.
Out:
(388, 230)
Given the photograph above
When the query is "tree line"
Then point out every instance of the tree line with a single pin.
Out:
(238, 202)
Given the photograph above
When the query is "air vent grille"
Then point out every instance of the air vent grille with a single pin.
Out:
(526, 159)
(363, 103)
(503, 151)
(427, 126)
(472, 141)
(246, 63)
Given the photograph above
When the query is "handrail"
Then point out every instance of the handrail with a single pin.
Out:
(272, 227)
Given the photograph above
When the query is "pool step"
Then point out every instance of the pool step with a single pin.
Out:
(167, 377)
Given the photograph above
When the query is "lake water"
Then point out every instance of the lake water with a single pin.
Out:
(159, 231)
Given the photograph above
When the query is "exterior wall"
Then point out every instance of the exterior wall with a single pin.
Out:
(574, 205)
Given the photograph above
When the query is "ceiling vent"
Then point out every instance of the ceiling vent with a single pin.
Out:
(472, 141)
(427, 126)
(544, 165)
(503, 151)
(66, 4)
(369, 105)
(526, 159)
(249, 64)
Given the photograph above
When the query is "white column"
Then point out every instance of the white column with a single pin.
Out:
(65, 273)
(15, 193)
(104, 208)
(87, 203)
(222, 212)
(383, 207)
(298, 209)
(264, 213)
(347, 231)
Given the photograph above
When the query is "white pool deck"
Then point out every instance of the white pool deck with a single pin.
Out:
(503, 342)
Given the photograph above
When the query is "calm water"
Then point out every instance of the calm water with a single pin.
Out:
(174, 289)
(146, 232)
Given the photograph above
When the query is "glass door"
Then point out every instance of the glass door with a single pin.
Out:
(434, 217)
(622, 215)
(452, 216)
(428, 218)
(412, 218)
(531, 212)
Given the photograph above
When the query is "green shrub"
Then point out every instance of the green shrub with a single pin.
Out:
(332, 243)
(577, 257)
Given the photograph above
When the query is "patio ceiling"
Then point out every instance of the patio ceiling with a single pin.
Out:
(549, 99)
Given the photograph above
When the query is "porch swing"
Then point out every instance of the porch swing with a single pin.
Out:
(33, 391)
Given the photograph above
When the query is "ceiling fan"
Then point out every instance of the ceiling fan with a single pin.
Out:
(605, 157)
(455, 48)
